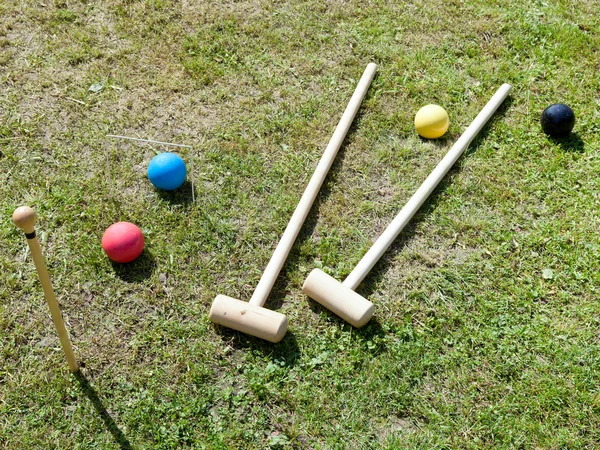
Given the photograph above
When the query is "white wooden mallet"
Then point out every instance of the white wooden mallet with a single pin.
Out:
(25, 218)
(340, 298)
(251, 317)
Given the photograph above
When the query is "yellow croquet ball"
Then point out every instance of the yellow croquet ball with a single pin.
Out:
(432, 121)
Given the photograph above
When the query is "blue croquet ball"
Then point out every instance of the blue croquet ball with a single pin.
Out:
(167, 171)
(558, 120)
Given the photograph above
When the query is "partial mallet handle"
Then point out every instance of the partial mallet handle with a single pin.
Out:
(25, 218)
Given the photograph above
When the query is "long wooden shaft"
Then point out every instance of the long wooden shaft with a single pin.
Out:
(63, 335)
(291, 232)
(395, 227)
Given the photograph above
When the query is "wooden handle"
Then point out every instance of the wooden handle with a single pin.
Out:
(291, 232)
(393, 230)
(24, 218)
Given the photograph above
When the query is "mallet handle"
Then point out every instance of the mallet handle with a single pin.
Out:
(40, 265)
(395, 227)
(291, 232)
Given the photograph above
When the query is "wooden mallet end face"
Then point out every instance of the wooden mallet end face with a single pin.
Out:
(339, 299)
(24, 217)
(247, 318)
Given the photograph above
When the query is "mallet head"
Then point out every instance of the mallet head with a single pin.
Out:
(24, 217)
(336, 297)
(248, 318)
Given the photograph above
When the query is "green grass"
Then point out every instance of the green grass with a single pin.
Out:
(486, 325)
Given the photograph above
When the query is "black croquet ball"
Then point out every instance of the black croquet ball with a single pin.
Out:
(558, 120)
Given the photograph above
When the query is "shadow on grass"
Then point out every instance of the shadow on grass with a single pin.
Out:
(281, 287)
(109, 422)
(571, 143)
(440, 142)
(286, 350)
(139, 269)
(183, 195)
(366, 333)
(367, 288)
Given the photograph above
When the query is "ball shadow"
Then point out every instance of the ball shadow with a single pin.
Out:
(570, 143)
(439, 142)
(183, 195)
(139, 269)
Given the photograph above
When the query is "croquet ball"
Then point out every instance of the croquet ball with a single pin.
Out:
(123, 242)
(558, 120)
(167, 171)
(432, 121)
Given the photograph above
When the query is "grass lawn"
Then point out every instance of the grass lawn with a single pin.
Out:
(486, 330)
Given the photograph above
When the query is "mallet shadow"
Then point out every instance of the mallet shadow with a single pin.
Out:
(286, 350)
(282, 285)
(366, 333)
(369, 285)
(109, 422)
(282, 288)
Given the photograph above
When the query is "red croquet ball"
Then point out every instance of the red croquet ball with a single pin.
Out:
(123, 242)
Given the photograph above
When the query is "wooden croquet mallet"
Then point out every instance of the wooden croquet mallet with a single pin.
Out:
(252, 317)
(25, 218)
